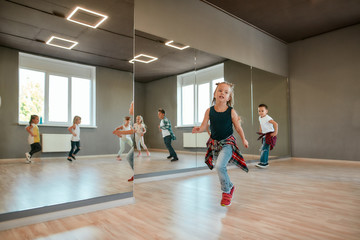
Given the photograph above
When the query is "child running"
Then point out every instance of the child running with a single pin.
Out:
(75, 139)
(222, 144)
(140, 130)
(130, 155)
(268, 132)
(33, 138)
(124, 138)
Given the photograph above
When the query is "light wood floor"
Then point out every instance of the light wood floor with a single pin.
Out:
(294, 199)
(52, 181)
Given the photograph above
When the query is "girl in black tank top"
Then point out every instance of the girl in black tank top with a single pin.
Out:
(222, 142)
(221, 125)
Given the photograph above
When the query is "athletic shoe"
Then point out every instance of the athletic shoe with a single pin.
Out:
(69, 159)
(174, 159)
(232, 191)
(73, 156)
(131, 179)
(28, 157)
(168, 157)
(262, 165)
(226, 197)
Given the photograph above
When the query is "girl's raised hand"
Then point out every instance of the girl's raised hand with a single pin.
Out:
(196, 130)
(117, 133)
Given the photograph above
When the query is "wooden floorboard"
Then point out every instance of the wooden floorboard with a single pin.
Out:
(294, 199)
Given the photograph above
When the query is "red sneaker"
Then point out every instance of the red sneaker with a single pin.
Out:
(131, 179)
(232, 191)
(226, 197)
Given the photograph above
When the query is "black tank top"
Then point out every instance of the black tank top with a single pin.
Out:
(220, 124)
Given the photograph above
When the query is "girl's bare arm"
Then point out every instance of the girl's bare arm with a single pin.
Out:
(238, 128)
(28, 129)
(203, 124)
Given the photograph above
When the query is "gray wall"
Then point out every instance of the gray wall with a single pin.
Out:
(206, 28)
(240, 75)
(160, 94)
(325, 95)
(139, 99)
(113, 96)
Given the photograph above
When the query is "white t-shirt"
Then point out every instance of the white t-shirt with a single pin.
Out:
(164, 132)
(126, 129)
(265, 125)
(35, 131)
(139, 128)
(77, 132)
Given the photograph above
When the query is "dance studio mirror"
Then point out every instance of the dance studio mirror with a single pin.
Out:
(156, 86)
(51, 181)
(186, 92)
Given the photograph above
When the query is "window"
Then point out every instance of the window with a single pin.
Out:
(195, 94)
(56, 91)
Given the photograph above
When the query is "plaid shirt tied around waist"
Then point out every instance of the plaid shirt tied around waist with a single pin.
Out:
(268, 139)
(215, 146)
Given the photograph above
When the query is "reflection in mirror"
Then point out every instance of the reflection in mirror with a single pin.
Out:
(272, 90)
(50, 179)
(251, 87)
(182, 82)
(168, 83)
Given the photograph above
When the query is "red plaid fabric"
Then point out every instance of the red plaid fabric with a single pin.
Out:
(268, 139)
(215, 146)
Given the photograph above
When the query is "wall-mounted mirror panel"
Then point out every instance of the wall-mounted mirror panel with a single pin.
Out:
(52, 180)
(168, 83)
(272, 90)
(187, 93)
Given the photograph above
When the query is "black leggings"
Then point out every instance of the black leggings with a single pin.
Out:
(74, 144)
(35, 147)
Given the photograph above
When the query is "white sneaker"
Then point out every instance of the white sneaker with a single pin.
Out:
(28, 157)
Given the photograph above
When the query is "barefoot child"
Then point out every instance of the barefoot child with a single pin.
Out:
(124, 138)
(140, 130)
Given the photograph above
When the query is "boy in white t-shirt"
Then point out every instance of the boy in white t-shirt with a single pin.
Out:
(267, 126)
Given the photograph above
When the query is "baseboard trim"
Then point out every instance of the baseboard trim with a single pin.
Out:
(47, 213)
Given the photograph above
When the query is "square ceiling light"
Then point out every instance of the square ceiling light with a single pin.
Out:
(143, 58)
(61, 42)
(86, 17)
(173, 44)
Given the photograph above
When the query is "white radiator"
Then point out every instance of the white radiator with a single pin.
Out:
(195, 139)
(56, 142)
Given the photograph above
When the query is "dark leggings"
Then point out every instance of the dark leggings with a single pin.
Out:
(167, 141)
(74, 144)
(35, 147)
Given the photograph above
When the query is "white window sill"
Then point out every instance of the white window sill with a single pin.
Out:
(186, 126)
(52, 125)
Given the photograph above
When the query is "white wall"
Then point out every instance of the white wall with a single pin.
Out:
(206, 28)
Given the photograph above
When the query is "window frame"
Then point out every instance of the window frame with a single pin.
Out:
(69, 70)
(197, 77)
